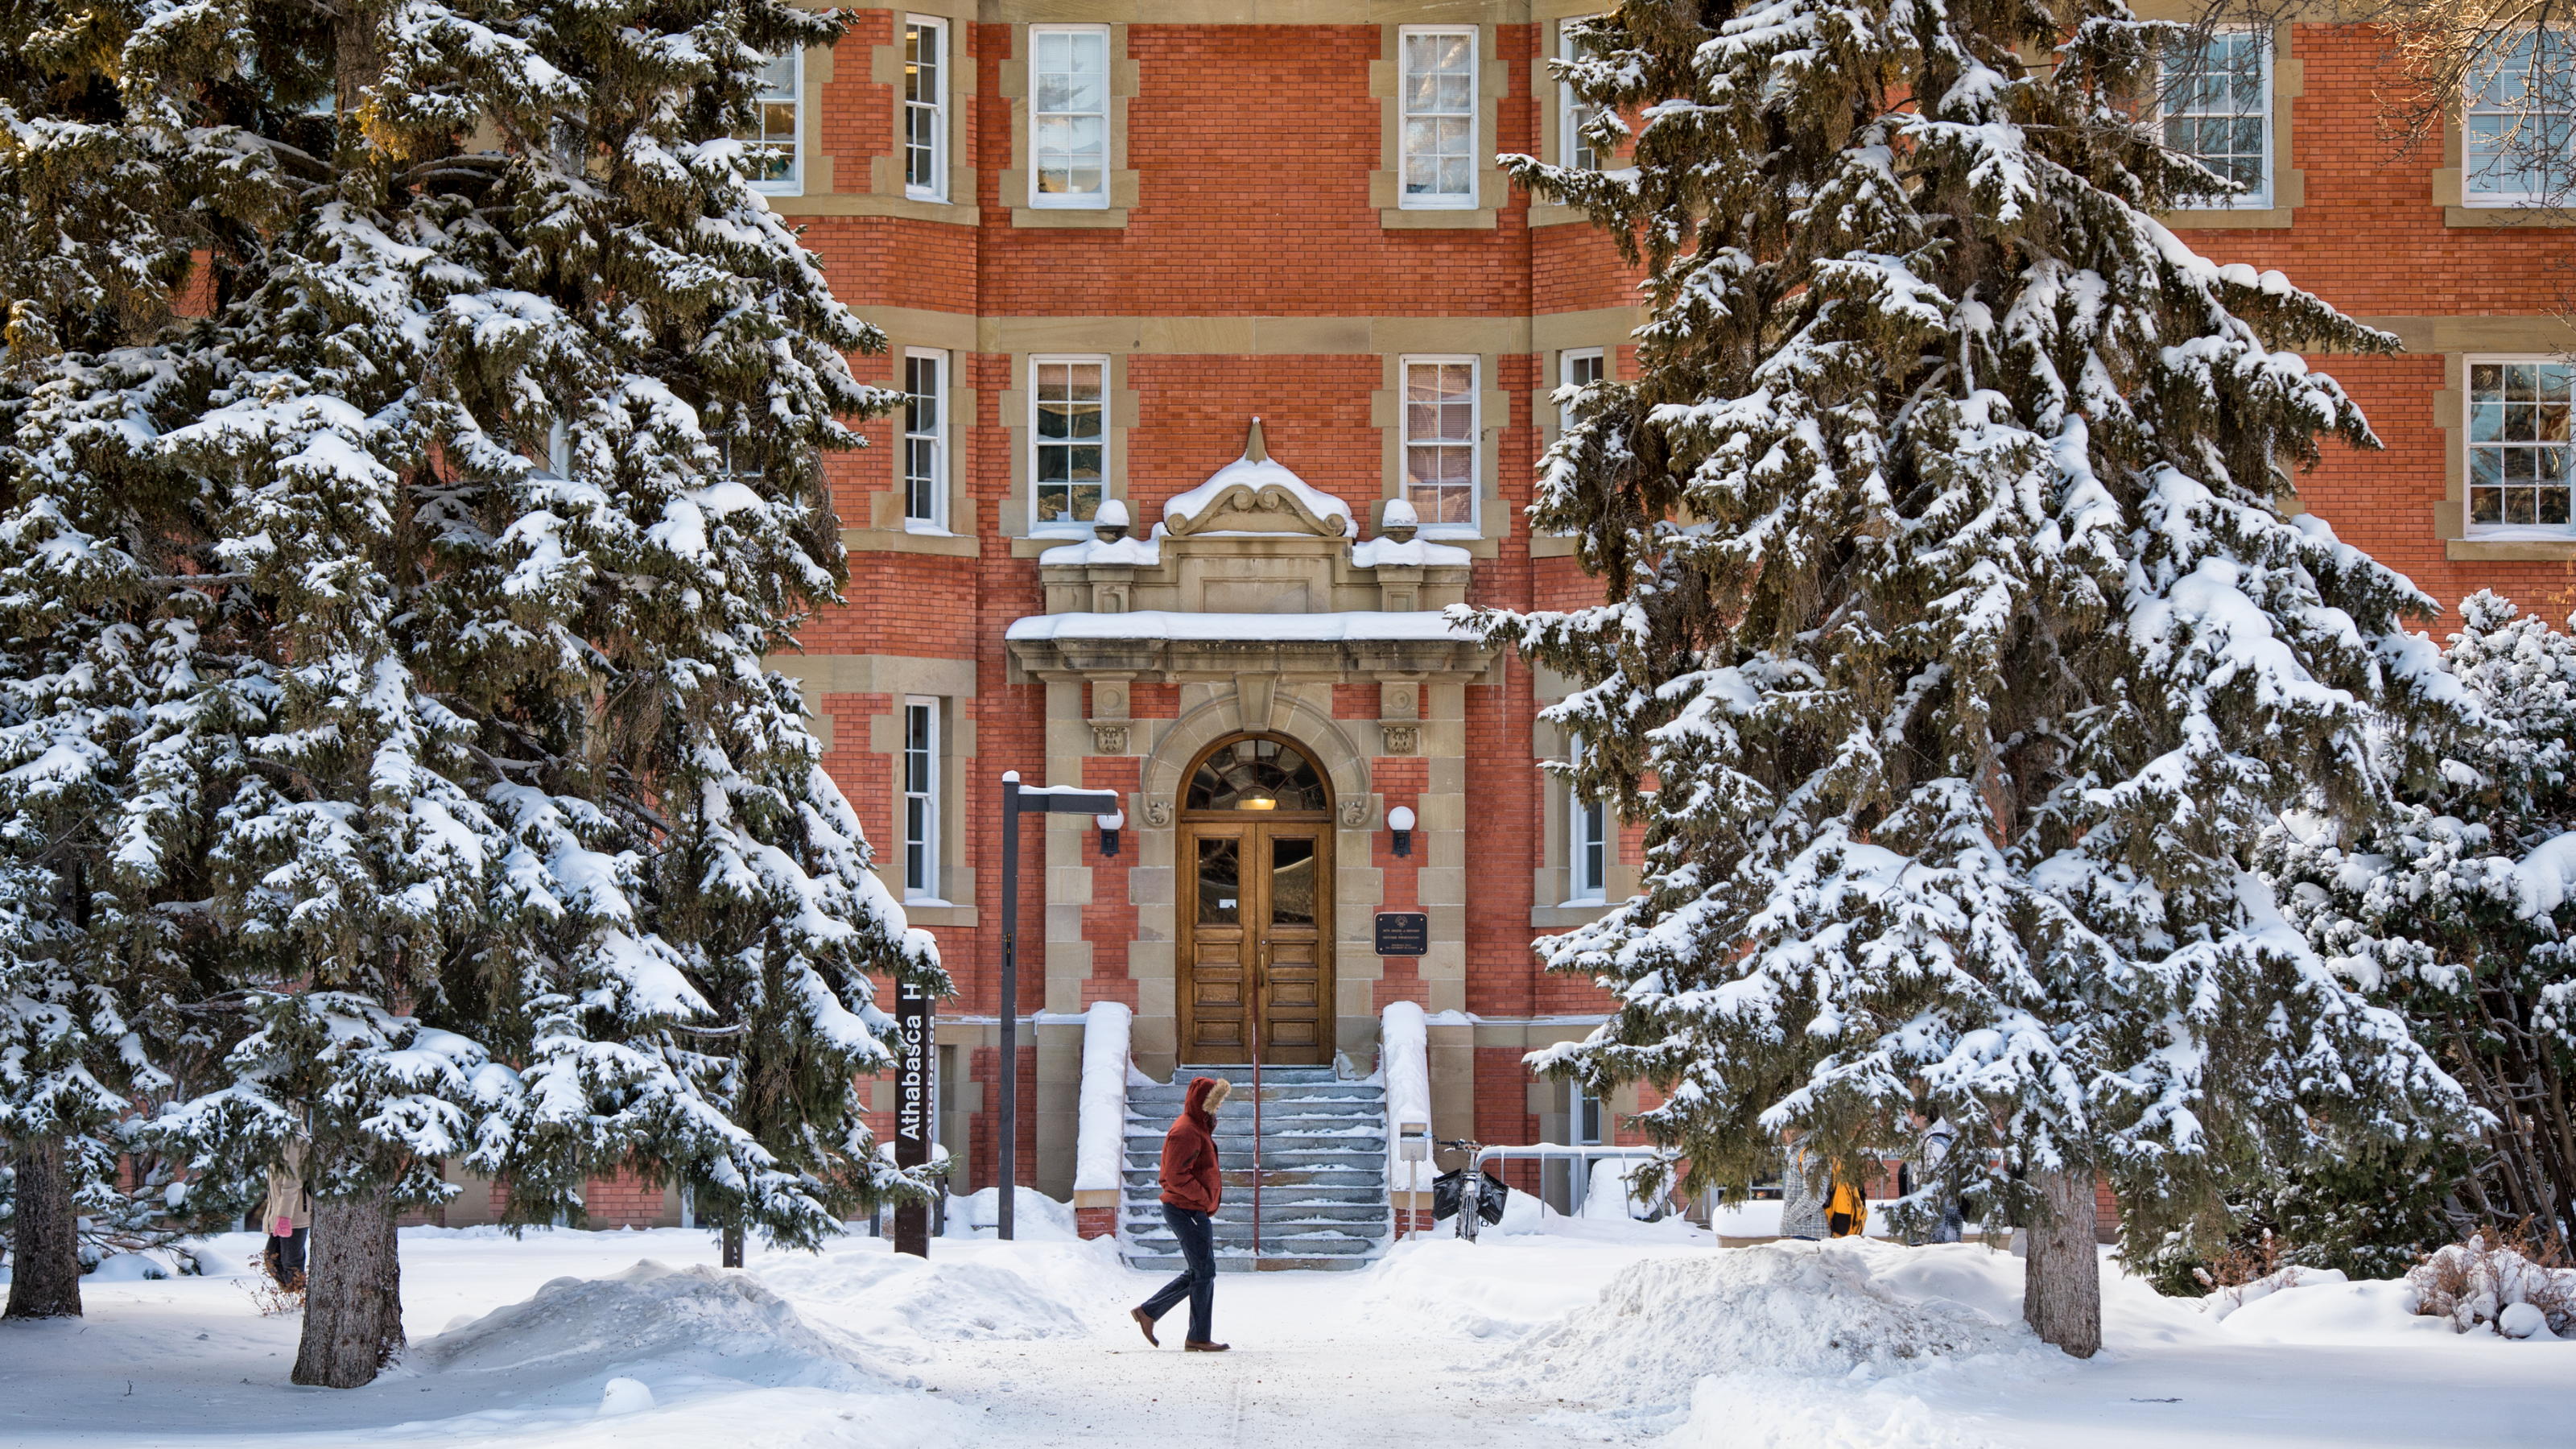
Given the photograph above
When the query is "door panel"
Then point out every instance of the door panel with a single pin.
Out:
(1218, 988)
(1258, 952)
(1293, 1029)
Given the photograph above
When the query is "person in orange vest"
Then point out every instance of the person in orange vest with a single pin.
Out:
(1846, 1210)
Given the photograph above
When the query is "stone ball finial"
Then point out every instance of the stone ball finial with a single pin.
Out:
(1399, 521)
(1109, 524)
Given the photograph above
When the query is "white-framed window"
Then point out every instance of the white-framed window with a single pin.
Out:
(1588, 845)
(2217, 109)
(1577, 367)
(1437, 90)
(1440, 441)
(1068, 115)
(1578, 153)
(1069, 441)
(920, 799)
(559, 449)
(925, 439)
(1583, 1115)
(925, 108)
(2518, 446)
(776, 163)
(2518, 123)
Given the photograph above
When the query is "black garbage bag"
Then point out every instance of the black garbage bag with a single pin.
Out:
(1446, 1188)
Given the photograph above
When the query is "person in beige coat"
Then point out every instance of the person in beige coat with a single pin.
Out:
(287, 1216)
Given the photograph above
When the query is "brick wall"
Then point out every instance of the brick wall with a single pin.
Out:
(1268, 215)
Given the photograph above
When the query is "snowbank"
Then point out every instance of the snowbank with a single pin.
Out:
(722, 1325)
(1795, 1310)
(1440, 1286)
(1612, 1193)
(1035, 1217)
(901, 1305)
(1404, 1059)
(1100, 1136)
(2325, 1309)
(144, 1267)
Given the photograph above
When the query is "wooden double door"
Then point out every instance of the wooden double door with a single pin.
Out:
(1256, 941)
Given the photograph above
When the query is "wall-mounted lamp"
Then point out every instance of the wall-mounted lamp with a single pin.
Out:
(1109, 825)
(1400, 820)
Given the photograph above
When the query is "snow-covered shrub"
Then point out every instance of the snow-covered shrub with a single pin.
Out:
(2457, 909)
(2373, 1213)
(2478, 1282)
(2249, 1272)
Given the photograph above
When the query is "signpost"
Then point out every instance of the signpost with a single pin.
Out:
(1016, 802)
(1403, 933)
(915, 1101)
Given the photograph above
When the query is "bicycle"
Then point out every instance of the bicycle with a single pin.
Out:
(1470, 1190)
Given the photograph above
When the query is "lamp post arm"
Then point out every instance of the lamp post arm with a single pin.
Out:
(1019, 800)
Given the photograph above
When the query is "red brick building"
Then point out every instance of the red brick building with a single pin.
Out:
(1104, 238)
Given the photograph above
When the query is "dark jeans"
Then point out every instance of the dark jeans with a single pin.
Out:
(1198, 1246)
(286, 1256)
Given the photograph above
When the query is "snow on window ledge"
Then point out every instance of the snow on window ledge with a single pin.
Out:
(2519, 533)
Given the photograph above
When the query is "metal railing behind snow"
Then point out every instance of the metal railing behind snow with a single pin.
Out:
(1472, 1187)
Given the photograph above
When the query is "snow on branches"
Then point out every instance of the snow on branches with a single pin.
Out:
(388, 676)
(2454, 908)
(1954, 620)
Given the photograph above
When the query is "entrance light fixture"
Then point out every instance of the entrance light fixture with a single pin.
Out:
(1109, 825)
(1399, 822)
(1259, 799)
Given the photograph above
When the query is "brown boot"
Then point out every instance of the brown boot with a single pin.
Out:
(1201, 1345)
(1145, 1321)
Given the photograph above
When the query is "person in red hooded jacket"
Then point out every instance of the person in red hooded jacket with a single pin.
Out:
(1192, 1188)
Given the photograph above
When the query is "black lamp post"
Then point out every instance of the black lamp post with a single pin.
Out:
(1018, 800)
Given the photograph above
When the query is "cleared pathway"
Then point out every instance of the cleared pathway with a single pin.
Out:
(1308, 1369)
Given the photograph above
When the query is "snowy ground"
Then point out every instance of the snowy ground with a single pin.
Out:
(1590, 1332)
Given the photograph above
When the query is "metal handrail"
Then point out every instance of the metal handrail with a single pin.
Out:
(1588, 1153)
(1256, 1122)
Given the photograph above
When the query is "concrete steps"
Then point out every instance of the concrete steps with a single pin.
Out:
(1322, 1175)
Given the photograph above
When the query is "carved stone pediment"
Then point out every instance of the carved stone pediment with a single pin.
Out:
(1258, 542)
(1257, 494)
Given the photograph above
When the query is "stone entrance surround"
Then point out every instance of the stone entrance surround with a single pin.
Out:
(1252, 598)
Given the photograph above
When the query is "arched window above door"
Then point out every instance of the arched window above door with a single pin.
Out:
(1256, 772)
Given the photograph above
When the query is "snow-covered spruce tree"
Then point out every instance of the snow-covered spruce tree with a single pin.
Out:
(531, 863)
(2456, 909)
(1953, 621)
(105, 186)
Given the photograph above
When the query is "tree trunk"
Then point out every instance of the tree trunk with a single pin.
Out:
(352, 1293)
(2062, 1290)
(44, 1269)
(733, 1245)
